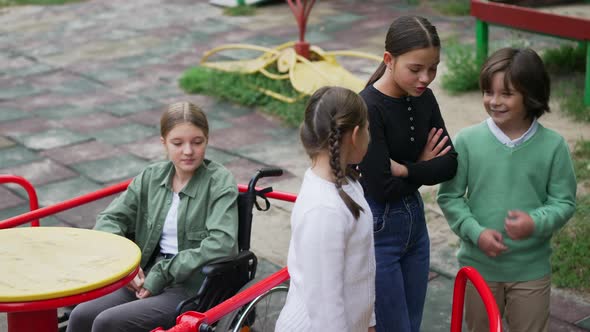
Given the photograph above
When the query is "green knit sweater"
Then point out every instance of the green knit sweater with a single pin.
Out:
(536, 177)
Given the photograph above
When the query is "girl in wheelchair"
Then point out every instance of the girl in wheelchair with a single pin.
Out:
(182, 213)
(331, 257)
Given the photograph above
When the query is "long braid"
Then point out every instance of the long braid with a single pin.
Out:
(330, 114)
(334, 148)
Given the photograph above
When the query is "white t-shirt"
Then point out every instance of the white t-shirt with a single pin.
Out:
(331, 261)
(169, 239)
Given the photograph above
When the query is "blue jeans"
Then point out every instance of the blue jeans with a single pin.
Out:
(402, 253)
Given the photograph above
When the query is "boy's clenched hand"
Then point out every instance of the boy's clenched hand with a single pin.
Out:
(491, 243)
(519, 225)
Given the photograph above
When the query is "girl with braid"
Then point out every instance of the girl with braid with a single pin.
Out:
(410, 147)
(331, 257)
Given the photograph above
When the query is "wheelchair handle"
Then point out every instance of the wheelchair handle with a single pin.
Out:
(263, 173)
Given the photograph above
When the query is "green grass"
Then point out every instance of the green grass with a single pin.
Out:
(568, 88)
(571, 256)
(444, 7)
(566, 58)
(5, 3)
(242, 10)
(462, 70)
(568, 91)
(451, 7)
(244, 89)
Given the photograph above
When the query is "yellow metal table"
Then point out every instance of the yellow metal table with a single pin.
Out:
(44, 268)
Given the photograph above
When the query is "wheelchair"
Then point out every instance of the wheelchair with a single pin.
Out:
(225, 277)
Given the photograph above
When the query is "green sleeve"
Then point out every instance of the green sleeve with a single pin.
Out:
(220, 241)
(452, 201)
(120, 216)
(561, 195)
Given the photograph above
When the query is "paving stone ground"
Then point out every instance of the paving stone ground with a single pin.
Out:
(82, 87)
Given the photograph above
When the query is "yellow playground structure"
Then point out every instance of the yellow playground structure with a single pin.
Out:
(307, 67)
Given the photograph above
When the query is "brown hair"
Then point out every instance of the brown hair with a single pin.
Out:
(182, 112)
(405, 34)
(330, 113)
(524, 69)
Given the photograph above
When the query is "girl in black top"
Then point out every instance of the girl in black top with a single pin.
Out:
(410, 147)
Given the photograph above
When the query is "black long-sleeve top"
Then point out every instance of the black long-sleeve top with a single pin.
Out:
(399, 130)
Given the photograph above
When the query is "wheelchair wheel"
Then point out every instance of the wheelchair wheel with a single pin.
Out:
(260, 315)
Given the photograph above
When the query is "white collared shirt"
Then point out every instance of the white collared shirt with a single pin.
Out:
(504, 139)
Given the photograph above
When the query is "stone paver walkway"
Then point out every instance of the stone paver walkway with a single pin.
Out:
(82, 87)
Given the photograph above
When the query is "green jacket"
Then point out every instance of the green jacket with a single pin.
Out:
(207, 222)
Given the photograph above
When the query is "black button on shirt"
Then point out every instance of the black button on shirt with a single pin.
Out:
(399, 129)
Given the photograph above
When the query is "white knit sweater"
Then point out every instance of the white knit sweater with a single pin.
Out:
(331, 261)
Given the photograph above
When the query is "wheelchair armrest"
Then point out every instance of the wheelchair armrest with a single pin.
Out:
(225, 264)
(219, 267)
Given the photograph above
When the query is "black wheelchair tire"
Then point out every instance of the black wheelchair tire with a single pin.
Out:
(245, 315)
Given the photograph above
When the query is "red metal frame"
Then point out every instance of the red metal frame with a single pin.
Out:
(282, 196)
(191, 321)
(494, 318)
(87, 198)
(532, 20)
(41, 316)
(67, 300)
(65, 205)
(33, 201)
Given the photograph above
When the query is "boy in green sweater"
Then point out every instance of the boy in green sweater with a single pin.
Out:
(515, 186)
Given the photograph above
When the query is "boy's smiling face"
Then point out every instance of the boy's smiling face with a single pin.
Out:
(505, 105)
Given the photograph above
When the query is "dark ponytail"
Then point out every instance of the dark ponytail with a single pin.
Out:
(377, 74)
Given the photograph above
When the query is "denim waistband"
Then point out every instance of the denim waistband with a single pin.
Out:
(411, 199)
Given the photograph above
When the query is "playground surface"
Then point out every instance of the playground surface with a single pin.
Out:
(82, 87)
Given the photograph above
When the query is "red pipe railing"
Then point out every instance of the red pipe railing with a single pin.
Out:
(494, 318)
(37, 213)
(282, 196)
(62, 206)
(192, 320)
(33, 201)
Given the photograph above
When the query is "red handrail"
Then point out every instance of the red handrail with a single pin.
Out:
(76, 201)
(33, 201)
(282, 196)
(62, 206)
(489, 301)
(192, 320)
